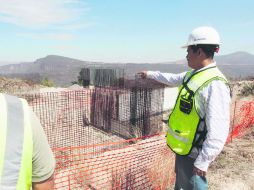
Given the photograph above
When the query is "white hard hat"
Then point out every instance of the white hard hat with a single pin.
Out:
(203, 35)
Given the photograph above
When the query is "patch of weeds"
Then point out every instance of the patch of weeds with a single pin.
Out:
(248, 89)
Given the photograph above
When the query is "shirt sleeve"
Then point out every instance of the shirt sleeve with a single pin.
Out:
(43, 159)
(217, 117)
(166, 78)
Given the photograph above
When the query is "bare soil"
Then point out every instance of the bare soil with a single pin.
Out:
(233, 169)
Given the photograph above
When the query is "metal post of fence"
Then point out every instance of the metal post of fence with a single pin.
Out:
(233, 122)
(69, 182)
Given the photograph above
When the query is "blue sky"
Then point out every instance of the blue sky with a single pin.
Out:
(119, 30)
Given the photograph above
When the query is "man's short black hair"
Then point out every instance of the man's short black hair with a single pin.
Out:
(207, 49)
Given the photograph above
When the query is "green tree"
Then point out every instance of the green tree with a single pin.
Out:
(83, 77)
(46, 82)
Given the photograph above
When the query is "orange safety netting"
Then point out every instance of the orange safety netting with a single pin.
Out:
(92, 151)
(145, 163)
(242, 119)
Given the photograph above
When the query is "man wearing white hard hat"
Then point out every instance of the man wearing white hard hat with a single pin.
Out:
(199, 123)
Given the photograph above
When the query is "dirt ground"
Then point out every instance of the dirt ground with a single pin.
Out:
(233, 169)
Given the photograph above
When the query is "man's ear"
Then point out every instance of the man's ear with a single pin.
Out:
(200, 52)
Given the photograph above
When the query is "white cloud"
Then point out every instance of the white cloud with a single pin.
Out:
(42, 13)
(48, 36)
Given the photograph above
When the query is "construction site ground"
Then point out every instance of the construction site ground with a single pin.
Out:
(233, 169)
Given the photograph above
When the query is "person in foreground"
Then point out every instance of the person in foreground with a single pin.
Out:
(199, 123)
(26, 159)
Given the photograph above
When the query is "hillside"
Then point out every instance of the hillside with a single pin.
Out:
(63, 70)
(11, 86)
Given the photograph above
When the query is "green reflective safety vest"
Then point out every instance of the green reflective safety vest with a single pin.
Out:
(16, 144)
(184, 119)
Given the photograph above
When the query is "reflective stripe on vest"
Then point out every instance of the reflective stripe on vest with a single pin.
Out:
(177, 136)
(184, 119)
(16, 144)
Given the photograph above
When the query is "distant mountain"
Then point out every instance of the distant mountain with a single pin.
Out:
(64, 70)
(7, 63)
(238, 65)
(237, 58)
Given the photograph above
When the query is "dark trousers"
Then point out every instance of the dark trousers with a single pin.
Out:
(183, 170)
(184, 176)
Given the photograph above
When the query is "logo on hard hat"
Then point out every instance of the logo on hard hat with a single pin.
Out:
(197, 39)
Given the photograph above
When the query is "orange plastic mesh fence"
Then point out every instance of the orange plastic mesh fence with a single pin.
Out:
(92, 116)
(242, 118)
(63, 116)
(144, 164)
(90, 158)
